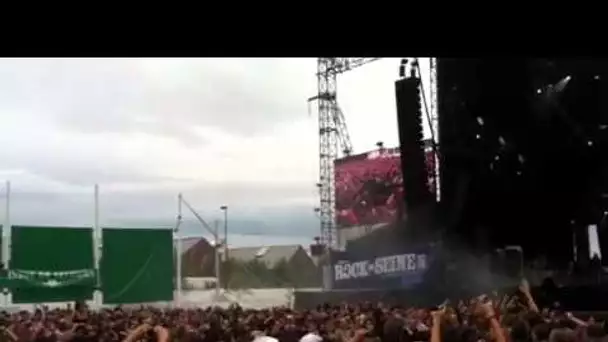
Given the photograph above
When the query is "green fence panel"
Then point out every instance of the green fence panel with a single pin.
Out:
(137, 265)
(50, 251)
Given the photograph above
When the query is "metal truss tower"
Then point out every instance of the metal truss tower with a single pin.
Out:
(434, 117)
(333, 133)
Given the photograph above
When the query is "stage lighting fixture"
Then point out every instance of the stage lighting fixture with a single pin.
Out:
(480, 120)
(596, 77)
(477, 136)
(521, 158)
(539, 91)
(497, 158)
(561, 85)
(589, 143)
(502, 141)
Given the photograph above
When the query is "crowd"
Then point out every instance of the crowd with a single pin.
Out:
(513, 317)
(368, 190)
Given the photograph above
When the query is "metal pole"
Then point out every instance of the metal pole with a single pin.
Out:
(178, 250)
(226, 249)
(7, 223)
(217, 259)
(214, 231)
(6, 240)
(225, 209)
(97, 245)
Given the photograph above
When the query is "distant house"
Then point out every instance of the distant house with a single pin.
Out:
(197, 258)
(299, 268)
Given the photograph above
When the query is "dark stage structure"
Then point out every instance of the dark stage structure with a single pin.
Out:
(522, 149)
(524, 153)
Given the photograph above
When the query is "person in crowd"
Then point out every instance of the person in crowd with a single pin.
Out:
(512, 317)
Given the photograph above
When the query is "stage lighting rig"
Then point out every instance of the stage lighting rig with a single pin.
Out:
(333, 131)
(334, 136)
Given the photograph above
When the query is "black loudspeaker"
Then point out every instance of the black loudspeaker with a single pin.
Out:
(413, 166)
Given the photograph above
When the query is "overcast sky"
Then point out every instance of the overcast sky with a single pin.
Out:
(222, 131)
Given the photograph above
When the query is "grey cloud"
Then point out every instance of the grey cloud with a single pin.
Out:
(86, 175)
(246, 97)
(209, 197)
(40, 99)
(72, 167)
(159, 205)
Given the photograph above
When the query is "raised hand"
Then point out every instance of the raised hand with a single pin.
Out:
(438, 314)
(488, 310)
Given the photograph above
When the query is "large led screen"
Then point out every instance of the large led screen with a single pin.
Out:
(369, 187)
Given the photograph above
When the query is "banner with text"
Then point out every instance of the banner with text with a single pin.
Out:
(392, 271)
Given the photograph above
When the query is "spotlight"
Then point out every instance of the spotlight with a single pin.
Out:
(561, 85)
(480, 120)
(597, 77)
(477, 136)
(502, 141)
